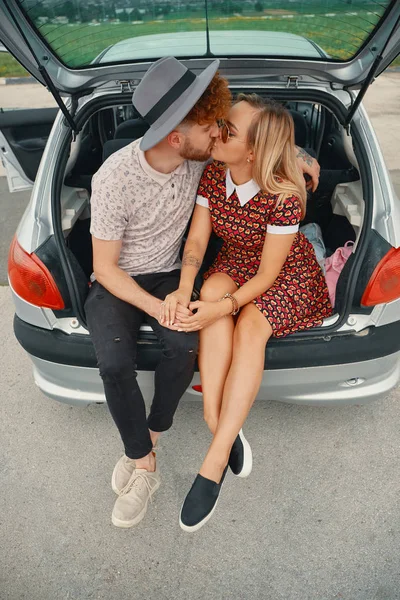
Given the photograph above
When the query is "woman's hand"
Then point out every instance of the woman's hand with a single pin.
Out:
(207, 313)
(173, 305)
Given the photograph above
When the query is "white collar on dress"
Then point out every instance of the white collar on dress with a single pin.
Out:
(245, 191)
(160, 178)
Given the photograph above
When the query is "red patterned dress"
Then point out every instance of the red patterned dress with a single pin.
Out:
(242, 215)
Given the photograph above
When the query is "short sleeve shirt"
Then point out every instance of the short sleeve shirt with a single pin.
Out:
(147, 210)
(216, 188)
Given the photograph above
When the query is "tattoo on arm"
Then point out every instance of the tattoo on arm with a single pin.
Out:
(190, 260)
(304, 156)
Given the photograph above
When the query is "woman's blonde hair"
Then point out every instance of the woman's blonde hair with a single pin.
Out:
(271, 138)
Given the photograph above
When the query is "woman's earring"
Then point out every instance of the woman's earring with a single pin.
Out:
(248, 160)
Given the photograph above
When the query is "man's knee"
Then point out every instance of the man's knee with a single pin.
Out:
(182, 344)
(114, 367)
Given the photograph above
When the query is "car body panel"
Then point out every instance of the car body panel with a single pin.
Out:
(36, 224)
(386, 217)
(387, 313)
(353, 383)
(34, 315)
(228, 43)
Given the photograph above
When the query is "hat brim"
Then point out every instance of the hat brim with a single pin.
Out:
(180, 108)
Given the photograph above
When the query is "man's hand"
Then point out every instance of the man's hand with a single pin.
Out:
(308, 166)
(174, 303)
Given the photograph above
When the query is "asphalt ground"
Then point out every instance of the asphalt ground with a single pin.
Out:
(318, 519)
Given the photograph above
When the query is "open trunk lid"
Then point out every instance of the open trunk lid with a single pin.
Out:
(78, 46)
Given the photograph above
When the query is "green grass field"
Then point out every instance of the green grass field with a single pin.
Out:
(9, 67)
(340, 37)
(78, 44)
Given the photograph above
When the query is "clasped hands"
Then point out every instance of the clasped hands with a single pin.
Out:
(178, 313)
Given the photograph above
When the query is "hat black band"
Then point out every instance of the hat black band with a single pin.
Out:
(169, 98)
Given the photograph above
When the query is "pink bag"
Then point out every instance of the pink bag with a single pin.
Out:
(333, 267)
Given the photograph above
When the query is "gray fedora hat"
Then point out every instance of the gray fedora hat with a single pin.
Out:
(166, 94)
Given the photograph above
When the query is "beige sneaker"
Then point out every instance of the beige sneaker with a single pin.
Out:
(122, 473)
(131, 505)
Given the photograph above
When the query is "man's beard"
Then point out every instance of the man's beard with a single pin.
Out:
(189, 152)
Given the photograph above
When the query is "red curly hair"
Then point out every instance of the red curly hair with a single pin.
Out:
(214, 104)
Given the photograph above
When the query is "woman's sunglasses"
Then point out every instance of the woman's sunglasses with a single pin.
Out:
(226, 133)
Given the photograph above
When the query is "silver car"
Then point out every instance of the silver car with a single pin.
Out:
(318, 63)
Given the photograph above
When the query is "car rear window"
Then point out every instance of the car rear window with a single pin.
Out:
(82, 32)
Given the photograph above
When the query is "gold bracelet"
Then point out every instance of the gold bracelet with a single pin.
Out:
(235, 304)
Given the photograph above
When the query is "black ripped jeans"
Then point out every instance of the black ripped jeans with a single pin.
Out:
(114, 326)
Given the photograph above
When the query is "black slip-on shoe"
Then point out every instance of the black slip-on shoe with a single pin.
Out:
(241, 457)
(200, 502)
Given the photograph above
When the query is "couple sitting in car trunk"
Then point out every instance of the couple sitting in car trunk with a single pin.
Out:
(264, 282)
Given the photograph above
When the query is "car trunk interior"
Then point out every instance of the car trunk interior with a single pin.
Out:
(337, 206)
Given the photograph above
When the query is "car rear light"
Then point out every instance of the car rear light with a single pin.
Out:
(31, 279)
(384, 284)
(197, 388)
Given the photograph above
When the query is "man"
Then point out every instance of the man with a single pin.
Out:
(142, 200)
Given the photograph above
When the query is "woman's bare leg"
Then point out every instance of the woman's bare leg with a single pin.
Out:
(243, 381)
(215, 352)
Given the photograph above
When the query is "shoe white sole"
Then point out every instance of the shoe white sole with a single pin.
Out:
(138, 518)
(248, 457)
(193, 528)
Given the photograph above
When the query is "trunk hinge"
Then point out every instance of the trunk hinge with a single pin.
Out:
(126, 86)
(292, 82)
(369, 78)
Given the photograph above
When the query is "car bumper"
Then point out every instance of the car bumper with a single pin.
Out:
(339, 369)
(352, 383)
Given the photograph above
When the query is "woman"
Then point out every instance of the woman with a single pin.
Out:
(253, 198)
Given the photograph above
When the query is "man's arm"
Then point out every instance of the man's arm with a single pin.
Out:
(107, 272)
(308, 166)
